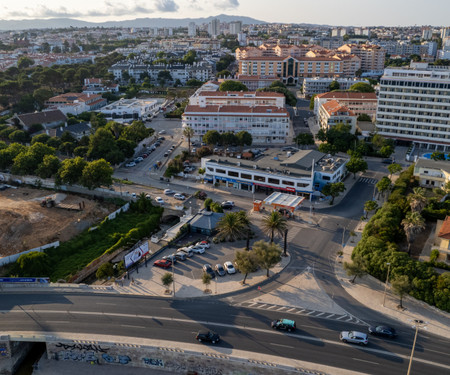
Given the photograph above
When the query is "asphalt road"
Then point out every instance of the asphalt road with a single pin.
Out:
(316, 340)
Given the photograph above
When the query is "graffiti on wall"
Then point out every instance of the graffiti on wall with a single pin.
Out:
(199, 369)
(122, 359)
(76, 356)
(3, 350)
(153, 362)
(90, 347)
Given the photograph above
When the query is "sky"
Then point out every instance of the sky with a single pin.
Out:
(331, 12)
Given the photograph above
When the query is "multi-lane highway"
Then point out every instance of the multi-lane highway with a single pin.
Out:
(316, 340)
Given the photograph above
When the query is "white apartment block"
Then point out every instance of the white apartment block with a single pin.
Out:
(372, 56)
(318, 85)
(432, 173)
(192, 29)
(332, 113)
(248, 98)
(235, 27)
(414, 105)
(128, 110)
(358, 102)
(266, 124)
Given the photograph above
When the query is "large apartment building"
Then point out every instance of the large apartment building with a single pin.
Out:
(372, 56)
(256, 98)
(319, 85)
(414, 105)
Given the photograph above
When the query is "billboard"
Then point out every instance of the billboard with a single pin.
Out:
(136, 255)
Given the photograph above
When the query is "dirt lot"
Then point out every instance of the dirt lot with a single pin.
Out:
(25, 224)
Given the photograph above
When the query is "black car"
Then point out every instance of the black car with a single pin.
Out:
(208, 337)
(208, 269)
(387, 161)
(383, 331)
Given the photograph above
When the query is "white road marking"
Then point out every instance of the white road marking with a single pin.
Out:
(284, 346)
(105, 303)
(131, 326)
(363, 360)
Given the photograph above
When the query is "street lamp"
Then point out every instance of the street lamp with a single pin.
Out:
(417, 324)
(386, 284)
(173, 276)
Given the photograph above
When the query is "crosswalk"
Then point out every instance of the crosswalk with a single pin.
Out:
(368, 180)
(348, 318)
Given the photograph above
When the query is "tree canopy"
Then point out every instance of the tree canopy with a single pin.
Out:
(232, 86)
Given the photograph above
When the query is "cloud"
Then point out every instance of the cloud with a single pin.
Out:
(227, 4)
(166, 6)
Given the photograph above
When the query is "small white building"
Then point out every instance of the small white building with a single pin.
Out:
(318, 85)
(125, 110)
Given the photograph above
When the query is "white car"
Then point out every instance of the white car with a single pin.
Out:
(130, 164)
(162, 132)
(139, 158)
(168, 192)
(229, 267)
(179, 196)
(197, 249)
(159, 200)
(354, 337)
(203, 244)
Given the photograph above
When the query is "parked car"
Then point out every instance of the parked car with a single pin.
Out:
(148, 196)
(145, 156)
(286, 324)
(179, 197)
(163, 263)
(354, 337)
(162, 132)
(207, 337)
(387, 161)
(208, 269)
(168, 192)
(130, 164)
(383, 331)
(200, 195)
(227, 206)
(220, 270)
(180, 255)
(203, 244)
(159, 200)
(172, 258)
(229, 267)
(189, 253)
(194, 150)
(197, 249)
(138, 159)
(166, 154)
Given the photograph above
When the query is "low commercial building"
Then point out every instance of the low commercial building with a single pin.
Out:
(302, 173)
(332, 113)
(432, 173)
(76, 103)
(318, 85)
(125, 110)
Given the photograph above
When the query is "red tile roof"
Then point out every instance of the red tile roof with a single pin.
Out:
(333, 107)
(445, 229)
(347, 95)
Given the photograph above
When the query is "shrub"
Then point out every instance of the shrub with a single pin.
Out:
(104, 271)
(434, 255)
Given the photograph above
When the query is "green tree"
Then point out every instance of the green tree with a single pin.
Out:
(417, 199)
(97, 173)
(223, 73)
(412, 224)
(231, 227)
(71, 170)
(105, 271)
(386, 151)
(34, 264)
(164, 76)
(103, 145)
(333, 190)
(194, 83)
(232, 86)
(206, 280)
(49, 166)
(355, 165)
(136, 132)
(393, 169)
(358, 268)
(24, 62)
(364, 117)
(370, 206)
(190, 57)
(167, 280)
(244, 138)
(311, 102)
(19, 136)
(383, 185)
(334, 86)
(268, 254)
(211, 138)
(41, 138)
(362, 87)
(274, 223)
(246, 262)
(304, 139)
(401, 286)
(188, 132)
(438, 155)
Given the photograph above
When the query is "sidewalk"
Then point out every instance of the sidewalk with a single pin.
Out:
(370, 292)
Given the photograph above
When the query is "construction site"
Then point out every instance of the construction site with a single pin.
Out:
(30, 218)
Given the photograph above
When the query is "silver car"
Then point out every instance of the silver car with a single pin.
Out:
(354, 337)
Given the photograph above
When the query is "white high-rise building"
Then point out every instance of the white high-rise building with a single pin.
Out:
(214, 27)
(445, 32)
(427, 33)
(414, 105)
(192, 29)
(235, 27)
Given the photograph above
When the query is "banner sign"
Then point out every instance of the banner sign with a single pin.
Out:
(136, 255)
(44, 280)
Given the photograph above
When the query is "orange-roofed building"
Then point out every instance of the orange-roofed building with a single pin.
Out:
(442, 239)
(332, 113)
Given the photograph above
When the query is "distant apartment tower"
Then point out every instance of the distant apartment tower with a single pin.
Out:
(427, 33)
(214, 27)
(235, 27)
(445, 32)
(414, 105)
(192, 29)
(339, 31)
(372, 56)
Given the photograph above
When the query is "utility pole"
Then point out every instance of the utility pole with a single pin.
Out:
(173, 277)
(417, 324)
(386, 284)
(285, 242)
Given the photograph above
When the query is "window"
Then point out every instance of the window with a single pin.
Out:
(326, 178)
(290, 183)
(246, 176)
(209, 169)
(233, 174)
(274, 181)
(301, 184)
(221, 171)
(259, 178)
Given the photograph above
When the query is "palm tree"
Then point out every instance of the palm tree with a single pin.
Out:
(413, 224)
(273, 224)
(188, 132)
(232, 227)
(417, 199)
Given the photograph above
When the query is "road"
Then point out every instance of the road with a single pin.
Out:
(316, 340)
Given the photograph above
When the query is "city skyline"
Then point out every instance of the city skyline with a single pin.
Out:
(343, 13)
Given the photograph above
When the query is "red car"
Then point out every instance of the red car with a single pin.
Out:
(163, 263)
